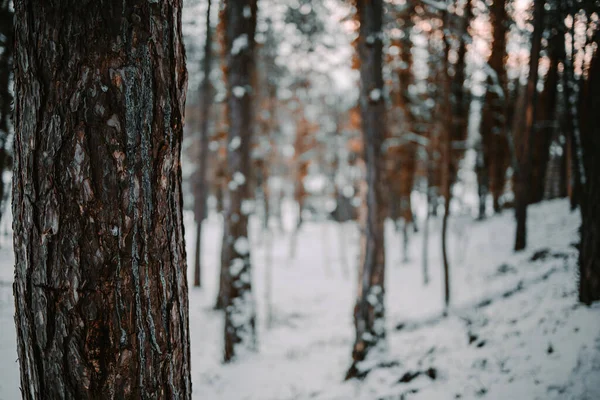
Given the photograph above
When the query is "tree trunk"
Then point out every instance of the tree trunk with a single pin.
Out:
(426, 240)
(542, 140)
(589, 256)
(223, 285)
(369, 308)
(494, 143)
(203, 161)
(523, 172)
(404, 156)
(198, 255)
(449, 105)
(240, 24)
(100, 276)
(483, 181)
(445, 254)
(571, 102)
(6, 67)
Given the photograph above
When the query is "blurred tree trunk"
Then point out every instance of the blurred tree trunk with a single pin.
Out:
(406, 158)
(202, 188)
(6, 67)
(522, 177)
(220, 189)
(223, 276)
(446, 150)
(589, 256)
(491, 172)
(369, 308)
(457, 102)
(303, 143)
(100, 276)
(571, 100)
(547, 119)
(239, 21)
(425, 255)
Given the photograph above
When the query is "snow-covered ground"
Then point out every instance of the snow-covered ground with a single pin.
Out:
(515, 329)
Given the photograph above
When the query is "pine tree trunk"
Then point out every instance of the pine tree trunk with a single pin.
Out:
(100, 276)
(542, 139)
(405, 157)
(201, 212)
(240, 24)
(369, 308)
(494, 143)
(589, 256)
(523, 172)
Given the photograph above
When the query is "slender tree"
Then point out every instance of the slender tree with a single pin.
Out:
(369, 308)
(493, 158)
(100, 277)
(457, 101)
(446, 155)
(571, 97)
(523, 172)
(202, 184)
(239, 19)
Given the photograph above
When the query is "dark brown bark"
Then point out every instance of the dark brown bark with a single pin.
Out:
(589, 256)
(491, 171)
(369, 309)
(240, 24)
(523, 173)
(6, 98)
(202, 189)
(100, 277)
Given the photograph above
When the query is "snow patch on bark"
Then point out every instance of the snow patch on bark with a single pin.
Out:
(240, 43)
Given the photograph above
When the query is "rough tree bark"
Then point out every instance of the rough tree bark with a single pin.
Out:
(522, 177)
(6, 98)
(589, 255)
(240, 25)
(202, 188)
(369, 308)
(100, 277)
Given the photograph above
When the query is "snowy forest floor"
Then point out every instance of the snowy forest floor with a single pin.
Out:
(515, 329)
